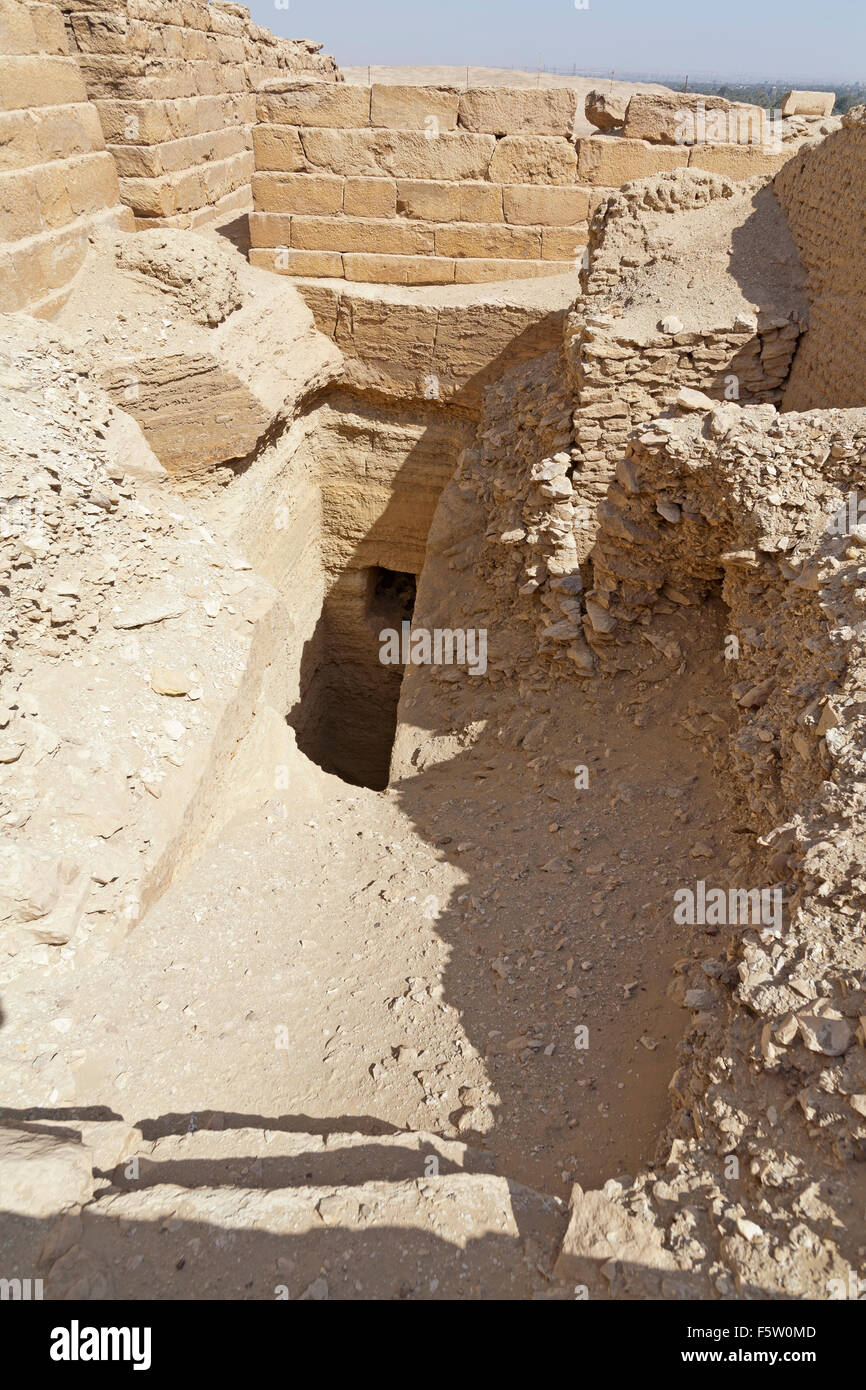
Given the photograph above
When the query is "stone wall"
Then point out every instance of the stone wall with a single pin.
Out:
(417, 185)
(652, 321)
(57, 183)
(821, 195)
(433, 185)
(174, 87)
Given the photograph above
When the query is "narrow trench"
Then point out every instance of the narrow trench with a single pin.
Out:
(591, 944)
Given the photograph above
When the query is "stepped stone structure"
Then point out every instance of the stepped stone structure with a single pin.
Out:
(174, 87)
(57, 181)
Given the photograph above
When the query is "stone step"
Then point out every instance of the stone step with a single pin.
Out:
(189, 189)
(283, 1158)
(226, 209)
(50, 196)
(40, 80)
(268, 1214)
(156, 122)
(29, 29)
(460, 1235)
(173, 156)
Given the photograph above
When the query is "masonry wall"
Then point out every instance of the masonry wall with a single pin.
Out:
(57, 182)
(174, 86)
(432, 185)
(821, 194)
(627, 368)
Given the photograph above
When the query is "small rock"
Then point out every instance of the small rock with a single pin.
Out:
(164, 681)
(687, 399)
(749, 1229)
(832, 1036)
(669, 510)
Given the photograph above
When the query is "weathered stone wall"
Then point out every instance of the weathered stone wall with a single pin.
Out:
(174, 87)
(432, 185)
(417, 185)
(57, 183)
(821, 194)
(738, 502)
(631, 354)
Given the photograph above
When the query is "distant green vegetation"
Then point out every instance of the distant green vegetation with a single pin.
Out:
(769, 95)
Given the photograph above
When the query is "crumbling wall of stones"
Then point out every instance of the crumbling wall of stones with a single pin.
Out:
(717, 509)
(757, 506)
(628, 365)
(174, 87)
(57, 183)
(820, 192)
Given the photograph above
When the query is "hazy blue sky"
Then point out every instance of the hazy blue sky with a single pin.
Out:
(769, 39)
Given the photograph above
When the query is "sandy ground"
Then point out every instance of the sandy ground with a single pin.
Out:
(420, 959)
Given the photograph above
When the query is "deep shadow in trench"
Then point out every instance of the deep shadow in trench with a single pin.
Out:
(346, 718)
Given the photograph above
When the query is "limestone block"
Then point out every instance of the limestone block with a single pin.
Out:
(326, 264)
(401, 154)
(808, 103)
(32, 29)
(739, 161)
(187, 189)
(193, 412)
(399, 270)
(564, 243)
(533, 159)
(278, 147)
(304, 193)
(483, 241)
(605, 110)
(149, 161)
(270, 229)
(153, 122)
(50, 28)
(20, 212)
(414, 108)
(519, 111)
(308, 103)
(17, 34)
(40, 81)
(535, 205)
(42, 1174)
(600, 1231)
(90, 182)
(385, 237)
(370, 198)
(609, 160)
(686, 118)
(478, 270)
(449, 202)
(33, 137)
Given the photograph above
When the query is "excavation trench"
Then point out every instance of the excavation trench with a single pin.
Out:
(545, 909)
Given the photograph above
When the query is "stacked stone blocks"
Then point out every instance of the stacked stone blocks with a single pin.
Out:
(174, 86)
(57, 182)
